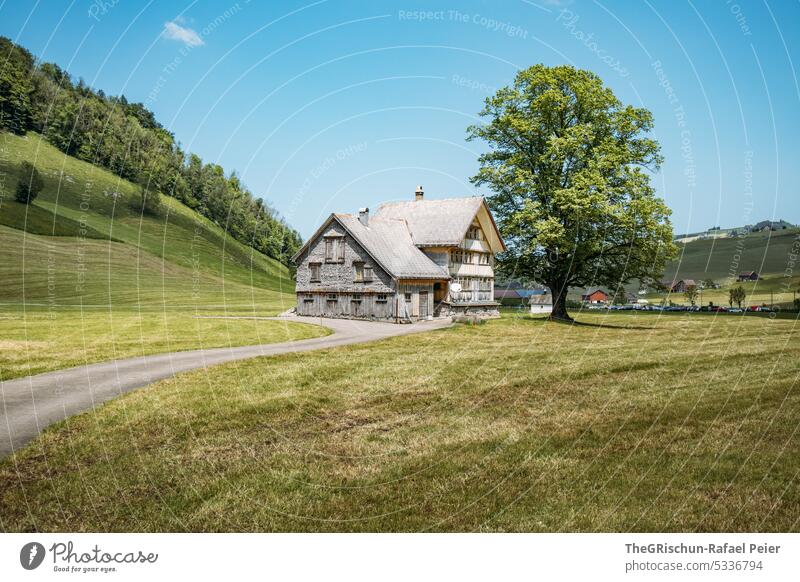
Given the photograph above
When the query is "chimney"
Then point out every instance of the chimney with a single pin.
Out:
(363, 216)
(418, 194)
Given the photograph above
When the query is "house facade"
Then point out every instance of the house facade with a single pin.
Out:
(412, 260)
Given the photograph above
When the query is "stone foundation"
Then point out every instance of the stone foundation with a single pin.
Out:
(484, 310)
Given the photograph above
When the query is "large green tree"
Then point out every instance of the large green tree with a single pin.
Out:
(569, 167)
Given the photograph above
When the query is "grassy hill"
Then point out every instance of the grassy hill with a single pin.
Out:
(722, 259)
(87, 278)
(768, 253)
(83, 242)
(765, 252)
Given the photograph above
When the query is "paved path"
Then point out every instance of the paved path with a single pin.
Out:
(28, 405)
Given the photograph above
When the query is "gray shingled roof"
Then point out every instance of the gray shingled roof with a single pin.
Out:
(389, 242)
(543, 299)
(434, 222)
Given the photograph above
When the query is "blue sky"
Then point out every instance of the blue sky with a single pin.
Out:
(332, 105)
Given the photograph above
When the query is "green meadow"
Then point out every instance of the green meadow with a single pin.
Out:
(622, 422)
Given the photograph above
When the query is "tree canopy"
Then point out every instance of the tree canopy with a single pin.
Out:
(126, 139)
(568, 166)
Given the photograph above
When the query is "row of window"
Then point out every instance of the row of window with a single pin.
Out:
(356, 297)
(474, 283)
(469, 258)
(361, 273)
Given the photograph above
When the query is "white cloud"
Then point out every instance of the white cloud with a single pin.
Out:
(174, 31)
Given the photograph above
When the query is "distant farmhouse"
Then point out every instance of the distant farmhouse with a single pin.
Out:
(595, 297)
(679, 286)
(528, 293)
(537, 300)
(412, 260)
(541, 302)
(747, 276)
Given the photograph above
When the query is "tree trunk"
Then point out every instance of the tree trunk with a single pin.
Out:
(559, 313)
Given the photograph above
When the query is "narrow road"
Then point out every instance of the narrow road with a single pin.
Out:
(32, 403)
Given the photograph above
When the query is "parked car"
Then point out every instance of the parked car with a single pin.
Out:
(735, 310)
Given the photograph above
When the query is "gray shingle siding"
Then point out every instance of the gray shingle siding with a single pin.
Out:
(338, 276)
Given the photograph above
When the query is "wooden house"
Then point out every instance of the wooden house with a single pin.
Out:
(411, 260)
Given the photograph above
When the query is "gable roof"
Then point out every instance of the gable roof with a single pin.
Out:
(540, 299)
(506, 293)
(443, 222)
(531, 292)
(389, 243)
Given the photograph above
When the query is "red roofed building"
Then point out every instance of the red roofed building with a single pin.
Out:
(596, 296)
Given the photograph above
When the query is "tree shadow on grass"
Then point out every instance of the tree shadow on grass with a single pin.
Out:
(585, 323)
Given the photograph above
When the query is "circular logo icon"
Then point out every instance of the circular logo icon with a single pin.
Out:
(31, 555)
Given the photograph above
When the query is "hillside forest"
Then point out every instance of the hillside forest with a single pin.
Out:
(126, 139)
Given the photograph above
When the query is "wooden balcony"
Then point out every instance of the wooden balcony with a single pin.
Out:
(471, 270)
